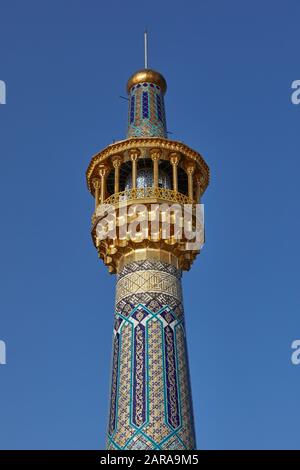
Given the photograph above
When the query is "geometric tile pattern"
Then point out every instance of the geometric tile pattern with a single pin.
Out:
(150, 404)
(146, 115)
(148, 281)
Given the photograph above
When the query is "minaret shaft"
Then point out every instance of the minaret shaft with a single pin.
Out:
(151, 405)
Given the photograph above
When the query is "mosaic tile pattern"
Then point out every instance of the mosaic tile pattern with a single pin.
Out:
(146, 115)
(150, 388)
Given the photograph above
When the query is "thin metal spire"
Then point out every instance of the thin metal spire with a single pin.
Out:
(146, 48)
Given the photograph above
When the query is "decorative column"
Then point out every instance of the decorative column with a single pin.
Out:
(190, 172)
(174, 159)
(96, 185)
(198, 180)
(134, 156)
(117, 161)
(103, 170)
(155, 155)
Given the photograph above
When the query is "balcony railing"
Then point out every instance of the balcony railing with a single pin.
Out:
(148, 193)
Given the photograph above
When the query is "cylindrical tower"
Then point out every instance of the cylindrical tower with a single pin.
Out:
(146, 220)
(146, 114)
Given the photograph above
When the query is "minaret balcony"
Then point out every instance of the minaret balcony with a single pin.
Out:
(157, 222)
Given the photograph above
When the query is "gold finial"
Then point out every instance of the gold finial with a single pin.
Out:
(146, 74)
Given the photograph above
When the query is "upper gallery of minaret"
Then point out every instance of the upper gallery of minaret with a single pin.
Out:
(148, 168)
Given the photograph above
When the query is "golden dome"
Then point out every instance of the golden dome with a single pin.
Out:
(147, 75)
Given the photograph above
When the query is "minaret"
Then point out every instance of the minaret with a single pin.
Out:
(132, 181)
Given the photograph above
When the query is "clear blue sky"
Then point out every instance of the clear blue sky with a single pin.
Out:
(229, 67)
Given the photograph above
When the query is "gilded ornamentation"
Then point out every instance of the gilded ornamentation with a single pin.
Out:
(163, 194)
(145, 144)
(148, 281)
(134, 154)
(155, 154)
(174, 158)
(96, 183)
(190, 168)
(103, 170)
(117, 161)
(148, 76)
